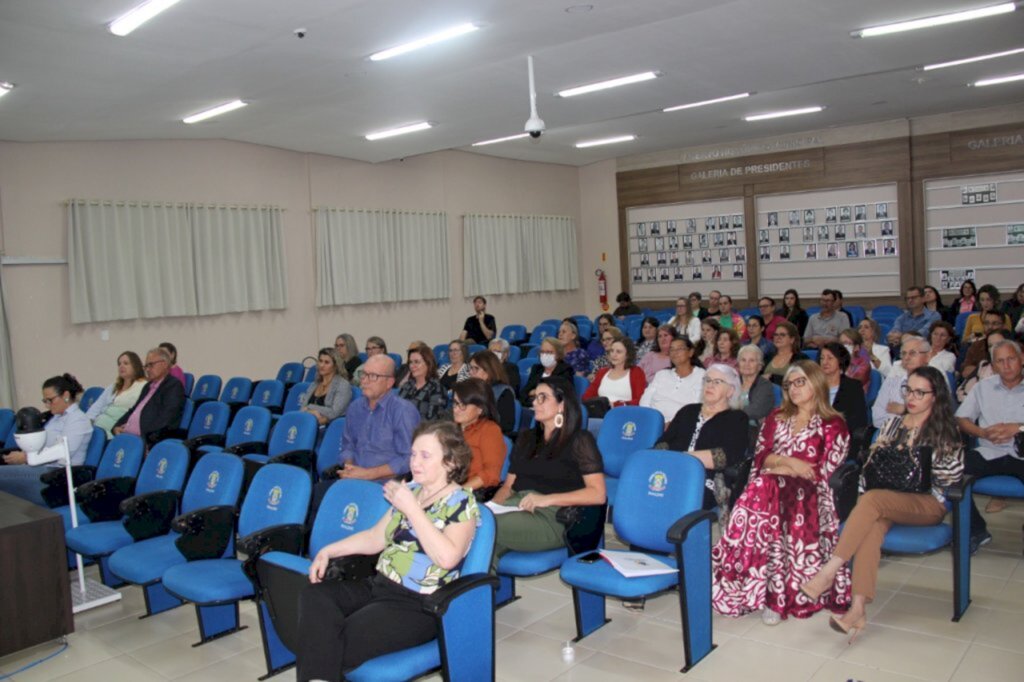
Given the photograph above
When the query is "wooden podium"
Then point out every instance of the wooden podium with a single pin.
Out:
(35, 593)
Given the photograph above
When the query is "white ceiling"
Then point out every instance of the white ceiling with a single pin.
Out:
(76, 81)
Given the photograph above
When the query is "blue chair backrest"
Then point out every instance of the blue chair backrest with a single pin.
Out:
(211, 417)
(186, 414)
(525, 365)
(278, 495)
(541, 331)
(310, 374)
(330, 445)
(357, 393)
(348, 507)
(746, 313)
(207, 388)
(397, 358)
(857, 312)
(533, 353)
(441, 354)
(873, 387)
(657, 487)
(811, 353)
(250, 425)
(290, 373)
(813, 310)
(7, 423)
(89, 396)
(585, 326)
(625, 430)
(961, 323)
(475, 348)
(631, 326)
(513, 332)
(164, 469)
(581, 385)
(268, 393)
(515, 354)
(216, 481)
(190, 382)
(362, 357)
(237, 390)
(12, 444)
(508, 455)
(777, 392)
(478, 558)
(294, 431)
(121, 457)
(94, 452)
(885, 312)
(291, 403)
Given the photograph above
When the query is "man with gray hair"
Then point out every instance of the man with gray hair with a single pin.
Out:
(889, 402)
(993, 412)
(160, 404)
(499, 347)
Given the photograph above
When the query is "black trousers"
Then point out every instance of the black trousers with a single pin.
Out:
(978, 466)
(343, 624)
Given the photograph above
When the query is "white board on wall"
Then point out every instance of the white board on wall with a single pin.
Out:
(845, 238)
(678, 248)
(975, 224)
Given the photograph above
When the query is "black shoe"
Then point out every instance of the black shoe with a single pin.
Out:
(979, 539)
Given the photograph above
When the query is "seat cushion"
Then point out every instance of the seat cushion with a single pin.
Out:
(98, 539)
(65, 516)
(398, 666)
(601, 578)
(208, 581)
(292, 562)
(531, 563)
(917, 539)
(147, 561)
(999, 486)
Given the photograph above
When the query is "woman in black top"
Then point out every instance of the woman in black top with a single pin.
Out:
(715, 432)
(792, 311)
(846, 394)
(485, 365)
(555, 464)
(552, 363)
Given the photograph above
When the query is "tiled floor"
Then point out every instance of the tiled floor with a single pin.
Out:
(910, 636)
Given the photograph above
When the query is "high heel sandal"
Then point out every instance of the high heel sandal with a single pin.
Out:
(852, 630)
(817, 586)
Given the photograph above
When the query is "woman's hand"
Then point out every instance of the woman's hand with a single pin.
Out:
(534, 501)
(317, 568)
(400, 497)
(16, 457)
(799, 469)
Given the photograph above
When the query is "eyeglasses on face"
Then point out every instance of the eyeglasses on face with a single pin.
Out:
(49, 401)
(909, 353)
(370, 347)
(541, 398)
(714, 382)
(915, 392)
(370, 376)
(799, 382)
(151, 365)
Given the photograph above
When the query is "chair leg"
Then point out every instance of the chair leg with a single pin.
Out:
(217, 621)
(590, 612)
(158, 599)
(108, 578)
(277, 656)
(694, 560)
(506, 593)
(962, 554)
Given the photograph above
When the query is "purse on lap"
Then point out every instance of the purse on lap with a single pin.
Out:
(899, 468)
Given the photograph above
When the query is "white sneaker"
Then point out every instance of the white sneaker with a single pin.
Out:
(769, 617)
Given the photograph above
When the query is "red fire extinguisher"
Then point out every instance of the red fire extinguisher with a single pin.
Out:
(602, 289)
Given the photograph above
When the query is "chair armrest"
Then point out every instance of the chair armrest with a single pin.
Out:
(55, 487)
(956, 492)
(177, 434)
(101, 499)
(205, 533)
(438, 602)
(204, 439)
(255, 447)
(843, 484)
(300, 458)
(286, 537)
(681, 528)
(149, 514)
(842, 476)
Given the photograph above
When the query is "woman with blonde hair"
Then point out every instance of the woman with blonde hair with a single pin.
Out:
(784, 526)
(121, 395)
(329, 394)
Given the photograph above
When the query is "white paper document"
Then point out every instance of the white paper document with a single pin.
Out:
(498, 509)
(636, 564)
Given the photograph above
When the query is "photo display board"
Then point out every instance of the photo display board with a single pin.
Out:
(974, 229)
(845, 239)
(679, 248)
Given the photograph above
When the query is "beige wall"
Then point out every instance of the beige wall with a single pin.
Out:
(599, 216)
(35, 180)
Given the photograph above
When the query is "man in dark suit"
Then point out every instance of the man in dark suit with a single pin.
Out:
(160, 404)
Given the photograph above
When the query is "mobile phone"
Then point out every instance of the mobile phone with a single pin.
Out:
(590, 558)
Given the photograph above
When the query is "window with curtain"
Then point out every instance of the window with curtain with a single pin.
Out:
(517, 254)
(380, 256)
(130, 260)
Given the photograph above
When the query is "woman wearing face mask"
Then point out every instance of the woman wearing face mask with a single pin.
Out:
(576, 357)
(942, 336)
(552, 364)
(878, 353)
(658, 359)
(621, 384)
(860, 363)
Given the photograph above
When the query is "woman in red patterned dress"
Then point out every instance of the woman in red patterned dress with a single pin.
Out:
(784, 526)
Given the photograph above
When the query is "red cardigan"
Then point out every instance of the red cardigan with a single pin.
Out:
(637, 382)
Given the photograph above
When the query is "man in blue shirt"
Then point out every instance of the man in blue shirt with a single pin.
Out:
(916, 318)
(378, 427)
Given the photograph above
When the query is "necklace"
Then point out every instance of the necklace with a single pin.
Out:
(427, 500)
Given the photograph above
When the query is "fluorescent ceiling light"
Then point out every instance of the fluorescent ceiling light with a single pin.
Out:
(5, 87)
(126, 23)
(613, 83)
(971, 60)
(1000, 80)
(605, 140)
(391, 132)
(447, 34)
(500, 139)
(780, 114)
(940, 20)
(706, 102)
(215, 111)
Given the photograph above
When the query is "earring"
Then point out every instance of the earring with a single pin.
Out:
(559, 420)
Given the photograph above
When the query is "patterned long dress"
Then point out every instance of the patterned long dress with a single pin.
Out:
(783, 528)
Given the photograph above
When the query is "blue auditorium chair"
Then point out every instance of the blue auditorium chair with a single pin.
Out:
(187, 411)
(348, 507)
(874, 387)
(657, 512)
(237, 392)
(207, 507)
(887, 313)
(542, 331)
(268, 393)
(858, 314)
(625, 430)
(290, 373)
(6, 423)
(515, 354)
(513, 333)
(328, 453)
(310, 373)
(777, 392)
(149, 510)
(532, 353)
(525, 365)
(475, 348)
(291, 402)
(273, 515)
(89, 396)
(248, 432)
(190, 382)
(961, 324)
(206, 388)
(441, 354)
(811, 353)
(209, 424)
(292, 442)
(120, 457)
(581, 384)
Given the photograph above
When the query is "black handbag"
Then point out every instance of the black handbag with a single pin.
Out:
(899, 468)
(351, 567)
(597, 408)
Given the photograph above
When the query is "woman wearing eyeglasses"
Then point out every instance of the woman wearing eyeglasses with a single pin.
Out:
(714, 431)
(474, 411)
(928, 421)
(486, 366)
(457, 368)
(784, 526)
(421, 387)
(555, 464)
(21, 479)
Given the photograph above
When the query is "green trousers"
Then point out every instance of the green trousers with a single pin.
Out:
(526, 531)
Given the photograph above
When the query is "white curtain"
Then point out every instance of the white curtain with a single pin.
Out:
(130, 260)
(380, 256)
(6, 361)
(517, 254)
